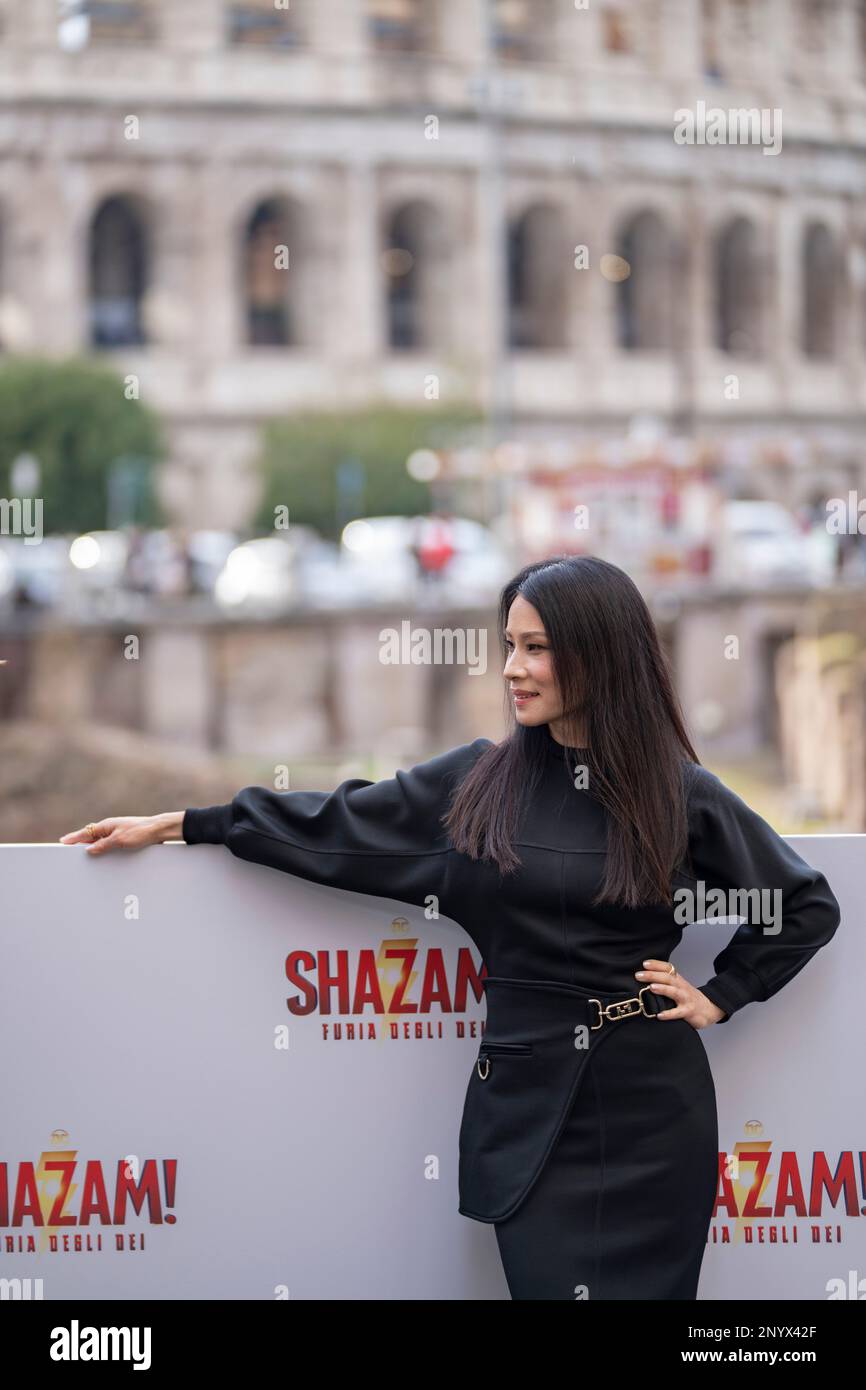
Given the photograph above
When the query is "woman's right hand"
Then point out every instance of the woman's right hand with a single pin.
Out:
(127, 832)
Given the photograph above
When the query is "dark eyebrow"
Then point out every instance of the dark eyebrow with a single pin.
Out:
(527, 634)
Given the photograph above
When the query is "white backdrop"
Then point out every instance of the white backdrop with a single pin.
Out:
(142, 998)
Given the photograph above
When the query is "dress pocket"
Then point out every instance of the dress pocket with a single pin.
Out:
(487, 1050)
(515, 1102)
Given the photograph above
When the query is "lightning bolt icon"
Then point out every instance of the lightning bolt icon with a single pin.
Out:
(385, 969)
(742, 1190)
(46, 1197)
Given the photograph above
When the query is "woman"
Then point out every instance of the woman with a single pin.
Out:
(568, 852)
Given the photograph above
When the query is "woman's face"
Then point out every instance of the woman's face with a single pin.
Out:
(529, 666)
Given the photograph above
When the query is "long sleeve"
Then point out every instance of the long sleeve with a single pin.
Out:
(732, 847)
(383, 838)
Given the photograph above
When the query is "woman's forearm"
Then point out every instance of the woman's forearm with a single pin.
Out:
(171, 825)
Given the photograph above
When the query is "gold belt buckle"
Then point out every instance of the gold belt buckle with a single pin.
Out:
(621, 1009)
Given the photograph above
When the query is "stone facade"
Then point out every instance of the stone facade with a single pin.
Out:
(431, 169)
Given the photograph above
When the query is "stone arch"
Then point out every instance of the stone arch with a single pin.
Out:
(276, 288)
(537, 284)
(416, 265)
(739, 292)
(119, 270)
(261, 24)
(821, 284)
(402, 26)
(645, 297)
(523, 30)
(81, 24)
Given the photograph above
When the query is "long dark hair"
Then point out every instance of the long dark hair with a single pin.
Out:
(612, 673)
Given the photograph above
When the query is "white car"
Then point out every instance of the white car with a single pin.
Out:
(376, 558)
(208, 552)
(7, 581)
(257, 577)
(480, 568)
(34, 574)
(377, 552)
(760, 543)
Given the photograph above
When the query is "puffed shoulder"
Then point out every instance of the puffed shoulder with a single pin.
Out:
(733, 848)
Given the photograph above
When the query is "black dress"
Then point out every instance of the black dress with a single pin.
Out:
(588, 1139)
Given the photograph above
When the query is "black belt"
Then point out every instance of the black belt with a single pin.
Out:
(521, 1011)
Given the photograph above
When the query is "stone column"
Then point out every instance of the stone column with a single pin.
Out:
(844, 42)
(788, 354)
(461, 271)
(336, 27)
(680, 39)
(778, 35)
(30, 25)
(850, 332)
(195, 26)
(490, 223)
(582, 38)
(462, 32)
(215, 293)
(178, 296)
(597, 224)
(361, 333)
(44, 271)
(692, 228)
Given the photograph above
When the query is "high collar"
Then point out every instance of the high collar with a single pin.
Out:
(560, 750)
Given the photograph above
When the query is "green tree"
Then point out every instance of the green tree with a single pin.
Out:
(325, 466)
(74, 417)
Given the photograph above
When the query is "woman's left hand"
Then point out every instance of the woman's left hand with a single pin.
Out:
(689, 1002)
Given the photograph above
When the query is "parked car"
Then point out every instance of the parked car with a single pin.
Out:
(760, 543)
(376, 556)
(38, 575)
(7, 581)
(480, 567)
(380, 555)
(271, 574)
(258, 577)
(208, 552)
(323, 579)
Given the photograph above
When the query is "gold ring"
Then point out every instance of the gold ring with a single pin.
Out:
(673, 968)
(91, 830)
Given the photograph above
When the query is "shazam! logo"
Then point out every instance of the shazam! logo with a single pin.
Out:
(62, 1204)
(764, 1198)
